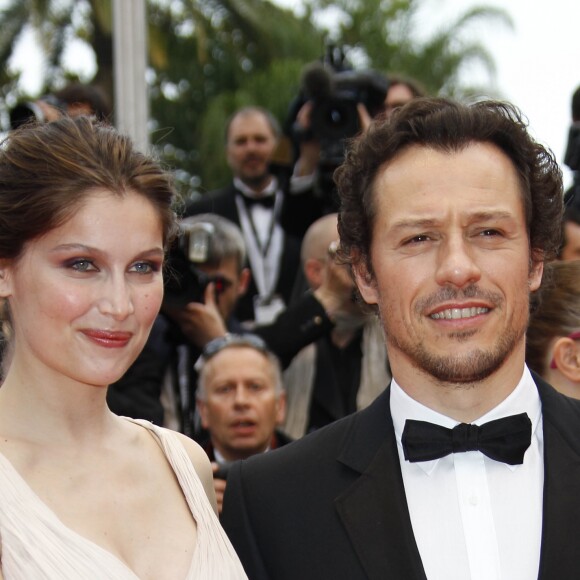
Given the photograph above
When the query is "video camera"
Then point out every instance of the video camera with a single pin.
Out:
(185, 282)
(336, 90)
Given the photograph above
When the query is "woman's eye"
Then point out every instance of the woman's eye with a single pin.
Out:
(81, 265)
(145, 267)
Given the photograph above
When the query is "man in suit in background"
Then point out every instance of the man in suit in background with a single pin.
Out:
(345, 369)
(241, 402)
(260, 203)
(467, 466)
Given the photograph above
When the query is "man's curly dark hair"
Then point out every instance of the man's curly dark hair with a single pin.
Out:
(448, 126)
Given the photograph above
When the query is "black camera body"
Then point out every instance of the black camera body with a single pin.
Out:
(335, 115)
(336, 90)
(185, 282)
(26, 111)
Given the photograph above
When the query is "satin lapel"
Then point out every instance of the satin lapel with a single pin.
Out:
(560, 557)
(374, 509)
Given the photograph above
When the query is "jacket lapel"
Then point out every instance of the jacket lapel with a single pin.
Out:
(380, 530)
(561, 510)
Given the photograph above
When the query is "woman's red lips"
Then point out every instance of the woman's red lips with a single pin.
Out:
(108, 339)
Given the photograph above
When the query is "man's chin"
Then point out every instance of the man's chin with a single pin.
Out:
(256, 181)
(462, 369)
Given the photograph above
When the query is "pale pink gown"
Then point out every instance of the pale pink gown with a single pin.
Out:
(37, 545)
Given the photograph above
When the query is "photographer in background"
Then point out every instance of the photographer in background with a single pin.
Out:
(346, 368)
(335, 103)
(241, 401)
(206, 276)
(73, 100)
(402, 89)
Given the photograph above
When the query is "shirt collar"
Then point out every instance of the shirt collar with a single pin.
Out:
(270, 189)
(221, 460)
(523, 399)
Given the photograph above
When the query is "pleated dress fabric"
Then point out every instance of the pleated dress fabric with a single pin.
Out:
(37, 545)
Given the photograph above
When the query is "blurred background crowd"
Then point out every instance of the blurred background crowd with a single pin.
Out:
(261, 338)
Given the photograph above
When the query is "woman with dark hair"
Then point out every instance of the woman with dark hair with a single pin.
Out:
(84, 223)
(553, 337)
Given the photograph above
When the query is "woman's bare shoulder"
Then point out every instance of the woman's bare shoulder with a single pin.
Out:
(199, 460)
(201, 464)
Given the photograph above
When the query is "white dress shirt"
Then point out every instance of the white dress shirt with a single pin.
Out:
(264, 239)
(475, 518)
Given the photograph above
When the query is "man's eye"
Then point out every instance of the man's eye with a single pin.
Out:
(489, 233)
(417, 239)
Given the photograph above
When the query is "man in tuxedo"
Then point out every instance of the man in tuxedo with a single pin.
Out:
(260, 202)
(467, 466)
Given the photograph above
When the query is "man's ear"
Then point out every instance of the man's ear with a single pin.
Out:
(313, 270)
(365, 282)
(244, 281)
(566, 354)
(202, 409)
(281, 408)
(535, 275)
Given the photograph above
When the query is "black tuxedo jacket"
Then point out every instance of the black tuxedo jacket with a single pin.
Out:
(332, 505)
(222, 202)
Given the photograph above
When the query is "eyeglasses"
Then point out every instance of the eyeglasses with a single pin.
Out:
(250, 340)
(573, 336)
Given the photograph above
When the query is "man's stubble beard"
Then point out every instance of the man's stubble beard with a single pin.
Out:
(257, 183)
(467, 369)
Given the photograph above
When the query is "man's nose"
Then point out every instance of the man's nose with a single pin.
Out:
(456, 263)
(241, 397)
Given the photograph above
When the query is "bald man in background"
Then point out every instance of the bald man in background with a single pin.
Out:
(346, 368)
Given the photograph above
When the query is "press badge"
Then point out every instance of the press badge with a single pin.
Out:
(267, 308)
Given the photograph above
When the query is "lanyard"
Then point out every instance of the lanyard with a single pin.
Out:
(264, 257)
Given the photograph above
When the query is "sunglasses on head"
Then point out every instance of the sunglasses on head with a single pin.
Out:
(218, 344)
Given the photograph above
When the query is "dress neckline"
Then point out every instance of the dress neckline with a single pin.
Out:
(73, 535)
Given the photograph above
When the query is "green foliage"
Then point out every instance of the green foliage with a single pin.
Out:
(390, 35)
(209, 57)
(224, 55)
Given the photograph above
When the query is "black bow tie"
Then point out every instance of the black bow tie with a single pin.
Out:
(264, 200)
(504, 440)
